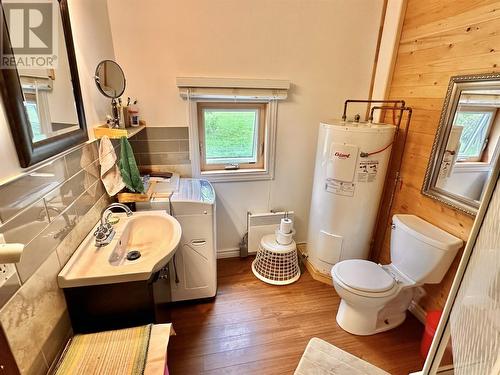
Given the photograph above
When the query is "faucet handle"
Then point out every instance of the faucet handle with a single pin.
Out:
(100, 233)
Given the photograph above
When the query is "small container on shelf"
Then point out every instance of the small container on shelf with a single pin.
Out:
(133, 114)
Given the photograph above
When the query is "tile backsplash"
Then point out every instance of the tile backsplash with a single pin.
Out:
(51, 210)
(163, 148)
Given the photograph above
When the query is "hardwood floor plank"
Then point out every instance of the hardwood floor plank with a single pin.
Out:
(255, 328)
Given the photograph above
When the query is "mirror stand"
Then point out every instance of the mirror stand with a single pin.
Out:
(110, 81)
(115, 121)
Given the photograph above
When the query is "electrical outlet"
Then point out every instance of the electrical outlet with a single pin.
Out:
(6, 272)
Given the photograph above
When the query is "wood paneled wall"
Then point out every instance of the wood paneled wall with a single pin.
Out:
(440, 39)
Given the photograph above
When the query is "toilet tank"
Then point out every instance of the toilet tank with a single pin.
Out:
(420, 250)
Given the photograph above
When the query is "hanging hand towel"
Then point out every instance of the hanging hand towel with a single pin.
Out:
(110, 174)
(128, 167)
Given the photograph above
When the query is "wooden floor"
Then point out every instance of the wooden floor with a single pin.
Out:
(255, 328)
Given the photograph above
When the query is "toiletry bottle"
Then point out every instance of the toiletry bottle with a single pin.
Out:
(133, 112)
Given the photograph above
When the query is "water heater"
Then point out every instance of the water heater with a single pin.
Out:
(349, 176)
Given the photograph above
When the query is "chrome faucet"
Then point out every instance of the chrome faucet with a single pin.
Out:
(105, 232)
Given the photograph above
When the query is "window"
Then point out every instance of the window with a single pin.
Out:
(232, 126)
(476, 125)
(231, 135)
(32, 111)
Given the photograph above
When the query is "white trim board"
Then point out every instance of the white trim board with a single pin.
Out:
(242, 83)
(228, 253)
(389, 44)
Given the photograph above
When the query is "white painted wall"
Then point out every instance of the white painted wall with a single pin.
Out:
(93, 43)
(326, 49)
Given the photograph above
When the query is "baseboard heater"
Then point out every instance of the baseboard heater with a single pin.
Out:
(260, 224)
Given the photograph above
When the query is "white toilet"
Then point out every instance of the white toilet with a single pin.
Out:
(375, 297)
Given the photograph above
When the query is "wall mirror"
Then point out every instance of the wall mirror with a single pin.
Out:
(467, 142)
(43, 104)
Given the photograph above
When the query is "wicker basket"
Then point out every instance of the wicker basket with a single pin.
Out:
(276, 264)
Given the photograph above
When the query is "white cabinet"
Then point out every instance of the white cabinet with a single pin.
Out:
(193, 269)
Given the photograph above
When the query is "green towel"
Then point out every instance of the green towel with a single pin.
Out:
(128, 167)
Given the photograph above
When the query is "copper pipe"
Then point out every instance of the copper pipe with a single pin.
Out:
(397, 169)
(344, 115)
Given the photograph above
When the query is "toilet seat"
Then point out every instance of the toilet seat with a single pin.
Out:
(364, 278)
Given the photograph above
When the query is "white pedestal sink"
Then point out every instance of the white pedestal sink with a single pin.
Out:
(153, 234)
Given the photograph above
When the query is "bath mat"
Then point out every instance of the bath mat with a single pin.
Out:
(322, 358)
(118, 352)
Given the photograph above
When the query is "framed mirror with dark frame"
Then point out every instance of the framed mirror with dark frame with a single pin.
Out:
(467, 142)
(43, 105)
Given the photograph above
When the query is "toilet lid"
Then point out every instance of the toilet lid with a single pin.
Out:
(363, 275)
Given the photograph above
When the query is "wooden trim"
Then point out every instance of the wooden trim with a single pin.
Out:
(376, 57)
(387, 51)
(260, 107)
(313, 271)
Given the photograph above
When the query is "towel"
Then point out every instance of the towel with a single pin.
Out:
(110, 174)
(128, 167)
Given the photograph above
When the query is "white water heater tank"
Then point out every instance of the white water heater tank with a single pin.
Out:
(351, 165)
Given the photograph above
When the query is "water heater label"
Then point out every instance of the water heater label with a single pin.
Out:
(338, 187)
(367, 170)
(342, 162)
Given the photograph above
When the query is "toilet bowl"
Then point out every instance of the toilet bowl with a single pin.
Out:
(375, 298)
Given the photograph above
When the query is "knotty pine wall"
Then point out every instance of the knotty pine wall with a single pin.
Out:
(440, 39)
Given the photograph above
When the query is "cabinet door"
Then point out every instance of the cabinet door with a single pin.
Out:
(194, 259)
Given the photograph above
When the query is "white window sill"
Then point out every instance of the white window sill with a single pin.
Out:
(462, 166)
(237, 175)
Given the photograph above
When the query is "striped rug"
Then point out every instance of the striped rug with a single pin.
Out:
(119, 352)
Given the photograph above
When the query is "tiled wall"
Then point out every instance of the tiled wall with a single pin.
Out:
(163, 149)
(50, 210)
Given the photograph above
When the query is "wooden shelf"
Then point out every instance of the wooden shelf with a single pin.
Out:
(137, 197)
(116, 133)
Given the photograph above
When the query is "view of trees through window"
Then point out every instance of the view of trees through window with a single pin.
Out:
(475, 131)
(230, 134)
(36, 127)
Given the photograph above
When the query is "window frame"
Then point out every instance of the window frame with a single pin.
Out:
(478, 109)
(263, 171)
(259, 142)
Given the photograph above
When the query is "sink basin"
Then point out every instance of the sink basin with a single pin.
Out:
(142, 245)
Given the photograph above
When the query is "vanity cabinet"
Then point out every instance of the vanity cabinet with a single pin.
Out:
(111, 306)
